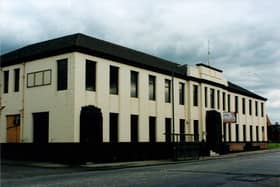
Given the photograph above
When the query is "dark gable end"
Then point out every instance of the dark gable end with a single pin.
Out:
(100, 48)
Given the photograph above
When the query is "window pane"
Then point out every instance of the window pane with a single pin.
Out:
(182, 130)
(16, 79)
(206, 96)
(236, 104)
(90, 75)
(30, 80)
(114, 80)
(47, 77)
(134, 128)
(212, 97)
(152, 87)
(62, 74)
(181, 93)
(113, 127)
(152, 129)
(167, 129)
(134, 84)
(167, 90)
(38, 78)
(6, 81)
(195, 95)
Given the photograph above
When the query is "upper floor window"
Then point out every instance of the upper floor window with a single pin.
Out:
(250, 107)
(62, 74)
(90, 75)
(114, 80)
(134, 84)
(39, 78)
(236, 104)
(181, 93)
(16, 79)
(243, 106)
(152, 87)
(224, 101)
(6, 81)
(262, 110)
(229, 102)
(195, 95)
(218, 99)
(256, 108)
(167, 90)
(212, 97)
(206, 96)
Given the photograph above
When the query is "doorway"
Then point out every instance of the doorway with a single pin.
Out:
(213, 130)
(41, 127)
(91, 125)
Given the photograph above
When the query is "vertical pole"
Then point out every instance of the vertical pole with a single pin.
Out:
(208, 53)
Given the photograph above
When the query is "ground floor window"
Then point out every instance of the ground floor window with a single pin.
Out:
(182, 130)
(114, 127)
(244, 133)
(196, 130)
(152, 129)
(167, 129)
(134, 128)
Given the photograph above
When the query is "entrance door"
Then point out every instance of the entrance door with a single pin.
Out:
(41, 127)
(91, 125)
(213, 130)
(13, 128)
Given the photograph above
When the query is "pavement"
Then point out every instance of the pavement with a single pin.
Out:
(130, 164)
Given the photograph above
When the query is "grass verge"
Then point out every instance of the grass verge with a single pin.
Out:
(273, 145)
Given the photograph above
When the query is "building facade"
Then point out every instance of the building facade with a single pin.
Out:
(81, 89)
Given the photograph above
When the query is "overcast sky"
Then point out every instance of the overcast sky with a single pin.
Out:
(244, 35)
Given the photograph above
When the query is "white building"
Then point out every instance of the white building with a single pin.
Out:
(78, 88)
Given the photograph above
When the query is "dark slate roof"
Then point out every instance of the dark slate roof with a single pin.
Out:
(237, 89)
(89, 45)
(96, 47)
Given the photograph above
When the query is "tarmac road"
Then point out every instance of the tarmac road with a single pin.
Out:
(249, 170)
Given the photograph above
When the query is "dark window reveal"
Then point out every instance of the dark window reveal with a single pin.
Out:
(167, 90)
(206, 96)
(244, 133)
(237, 132)
(182, 130)
(257, 133)
(224, 101)
(236, 104)
(6, 81)
(90, 75)
(250, 107)
(251, 133)
(16, 79)
(243, 106)
(212, 98)
(167, 129)
(114, 80)
(62, 74)
(152, 129)
(229, 132)
(152, 87)
(218, 99)
(229, 107)
(134, 84)
(262, 112)
(134, 128)
(114, 127)
(256, 108)
(195, 95)
(181, 93)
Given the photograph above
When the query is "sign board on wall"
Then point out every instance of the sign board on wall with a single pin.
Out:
(229, 117)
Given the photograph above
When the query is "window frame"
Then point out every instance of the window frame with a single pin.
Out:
(62, 74)
(90, 75)
(43, 78)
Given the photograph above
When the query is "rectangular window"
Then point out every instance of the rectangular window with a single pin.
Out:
(256, 108)
(6, 81)
(229, 132)
(90, 75)
(196, 130)
(167, 90)
(195, 95)
(243, 106)
(218, 99)
(181, 93)
(224, 101)
(225, 131)
(251, 133)
(134, 84)
(257, 133)
(262, 112)
(134, 128)
(167, 129)
(229, 103)
(244, 133)
(152, 129)
(114, 127)
(237, 132)
(114, 80)
(152, 87)
(206, 96)
(39, 78)
(212, 97)
(236, 104)
(62, 74)
(182, 130)
(263, 134)
(250, 107)
(16, 79)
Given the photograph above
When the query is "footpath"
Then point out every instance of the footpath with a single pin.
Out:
(119, 165)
